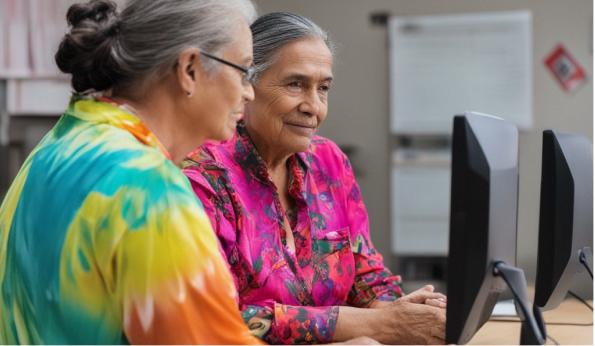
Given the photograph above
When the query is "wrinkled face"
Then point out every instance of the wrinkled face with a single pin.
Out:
(291, 96)
(223, 91)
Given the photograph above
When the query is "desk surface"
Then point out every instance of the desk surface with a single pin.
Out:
(570, 311)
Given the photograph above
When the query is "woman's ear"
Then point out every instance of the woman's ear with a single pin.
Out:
(189, 70)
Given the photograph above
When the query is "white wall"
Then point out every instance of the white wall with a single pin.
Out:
(359, 102)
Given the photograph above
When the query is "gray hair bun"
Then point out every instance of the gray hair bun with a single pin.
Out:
(121, 51)
(86, 52)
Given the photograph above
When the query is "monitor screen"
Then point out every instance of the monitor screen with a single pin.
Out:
(483, 219)
(565, 216)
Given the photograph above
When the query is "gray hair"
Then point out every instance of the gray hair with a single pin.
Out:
(274, 30)
(106, 50)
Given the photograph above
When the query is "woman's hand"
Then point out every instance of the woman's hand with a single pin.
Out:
(405, 321)
(426, 295)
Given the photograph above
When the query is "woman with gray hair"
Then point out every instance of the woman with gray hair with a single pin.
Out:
(288, 211)
(101, 239)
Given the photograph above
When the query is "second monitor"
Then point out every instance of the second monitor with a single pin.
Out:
(483, 226)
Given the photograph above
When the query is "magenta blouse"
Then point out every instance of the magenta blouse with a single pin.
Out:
(288, 297)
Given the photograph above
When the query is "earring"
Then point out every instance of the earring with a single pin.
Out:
(188, 93)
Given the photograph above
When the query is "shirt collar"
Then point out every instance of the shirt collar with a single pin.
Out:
(246, 154)
(102, 110)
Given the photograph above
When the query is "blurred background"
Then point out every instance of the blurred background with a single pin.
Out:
(403, 68)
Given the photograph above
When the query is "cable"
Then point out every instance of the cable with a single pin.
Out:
(581, 300)
(553, 340)
(533, 324)
(582, 257)
(546, 323)
(547, 336)
(529, 319)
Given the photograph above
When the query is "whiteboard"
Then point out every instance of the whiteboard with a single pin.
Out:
(448, 64)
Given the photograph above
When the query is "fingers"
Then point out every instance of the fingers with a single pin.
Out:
(440, 297)
(420, 296)
(439, 303)
(438, 330)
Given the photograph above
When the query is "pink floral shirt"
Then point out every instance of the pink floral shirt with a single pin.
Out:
(288, 297)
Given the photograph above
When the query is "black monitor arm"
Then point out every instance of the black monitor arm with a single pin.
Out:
(533, 328)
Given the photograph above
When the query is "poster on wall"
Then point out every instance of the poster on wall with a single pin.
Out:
(567, 71)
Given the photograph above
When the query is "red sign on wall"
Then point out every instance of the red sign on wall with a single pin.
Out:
(565, 69)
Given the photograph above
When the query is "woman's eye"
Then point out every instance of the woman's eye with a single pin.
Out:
(325, 88)
(295, 84)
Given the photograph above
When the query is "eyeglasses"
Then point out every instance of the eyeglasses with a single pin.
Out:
(249, 73)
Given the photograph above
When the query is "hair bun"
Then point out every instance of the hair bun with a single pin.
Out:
(95, 10)
(87, 51)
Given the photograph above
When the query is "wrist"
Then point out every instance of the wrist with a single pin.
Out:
(355, 322)
(379, 304)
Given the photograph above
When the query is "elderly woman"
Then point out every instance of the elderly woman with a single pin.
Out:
(101, 239)
(288, 212)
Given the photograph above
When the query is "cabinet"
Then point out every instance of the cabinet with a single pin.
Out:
(421, 199)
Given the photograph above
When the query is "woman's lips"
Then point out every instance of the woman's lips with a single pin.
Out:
(237, 116)
(301, 125)
(301, 129)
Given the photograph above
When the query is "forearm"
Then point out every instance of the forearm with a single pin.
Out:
(379, 304)
(356, 322)
(400, 323)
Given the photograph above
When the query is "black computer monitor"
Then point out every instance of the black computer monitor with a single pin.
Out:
(483, 225)
(483, 219)
(565, 216)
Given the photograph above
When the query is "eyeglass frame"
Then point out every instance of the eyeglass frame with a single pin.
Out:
(249, 73)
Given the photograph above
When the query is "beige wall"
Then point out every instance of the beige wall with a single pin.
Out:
(359, 104)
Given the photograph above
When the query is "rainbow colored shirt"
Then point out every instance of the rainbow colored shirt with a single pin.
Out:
(288, 297)
(103, 242)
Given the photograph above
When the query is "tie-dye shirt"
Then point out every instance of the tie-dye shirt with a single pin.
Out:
(288, 297)
(103, 242)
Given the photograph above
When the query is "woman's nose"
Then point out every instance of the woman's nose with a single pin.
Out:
(310, 105)
(248, 94)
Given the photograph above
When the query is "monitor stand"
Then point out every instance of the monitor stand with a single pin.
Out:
(533, 328)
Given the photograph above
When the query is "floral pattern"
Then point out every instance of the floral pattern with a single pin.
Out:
(285, 296)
